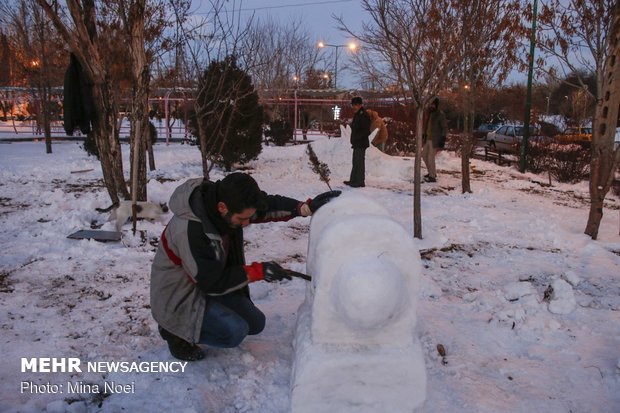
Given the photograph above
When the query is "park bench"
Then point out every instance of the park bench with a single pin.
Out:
(495, 155)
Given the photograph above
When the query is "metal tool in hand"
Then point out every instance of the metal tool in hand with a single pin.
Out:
(298, 275)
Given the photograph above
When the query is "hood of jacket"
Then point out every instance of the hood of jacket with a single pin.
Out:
(182, 203)
(187, 202)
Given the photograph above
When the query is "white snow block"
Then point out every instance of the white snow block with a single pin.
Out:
(355, 349)
(563, 298)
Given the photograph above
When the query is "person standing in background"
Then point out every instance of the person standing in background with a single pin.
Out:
(360, 129)
(376, 122)
(433, 138)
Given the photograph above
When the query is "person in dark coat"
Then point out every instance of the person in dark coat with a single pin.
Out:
(434, 138)
(360, 129)
(199, 277)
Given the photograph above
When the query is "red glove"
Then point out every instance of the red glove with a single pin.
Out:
(254, 271)
(269, 271)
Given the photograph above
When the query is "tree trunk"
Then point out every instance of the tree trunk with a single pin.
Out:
(465, 179)
(116, 154)
(202, 139)
(467, 142)
(47, 115)
(83, 42)
(604, 159)
(47, 130)
(149, 148)
(203, 152)
(417, 189)
(105, 135)
(44, 110)
(140, 104)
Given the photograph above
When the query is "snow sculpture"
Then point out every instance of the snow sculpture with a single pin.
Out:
(355, 350)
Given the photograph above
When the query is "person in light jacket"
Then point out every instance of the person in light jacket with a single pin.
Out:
(377, 122)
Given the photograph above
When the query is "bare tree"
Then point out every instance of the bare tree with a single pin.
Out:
(269, 66)
(39, 56)
(491, 33)
(411, 44)
(302, 51)
(288, 52)
(133, 18)
(580, 35)
(216, 37)
(198, 42)
(178, 57)
(604, 159)
(77, 24)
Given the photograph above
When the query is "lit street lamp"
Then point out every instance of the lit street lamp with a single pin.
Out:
(351, 46)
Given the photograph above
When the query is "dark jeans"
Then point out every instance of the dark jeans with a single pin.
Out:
(228, 319)
(358, 170)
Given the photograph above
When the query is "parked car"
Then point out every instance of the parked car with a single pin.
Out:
(547, 129)
(576, 134)
(508, 137)
(481, 132)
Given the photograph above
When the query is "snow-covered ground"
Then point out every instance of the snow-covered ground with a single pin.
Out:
(489, 259)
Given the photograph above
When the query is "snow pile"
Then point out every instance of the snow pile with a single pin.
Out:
(355, 350)
(562, 299)
(337, 153)
(489, 259)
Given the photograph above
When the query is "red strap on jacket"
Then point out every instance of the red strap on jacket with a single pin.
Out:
(172, 256)
(164, 242)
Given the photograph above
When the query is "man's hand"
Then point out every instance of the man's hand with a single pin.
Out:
(272, 271)
(322, 199)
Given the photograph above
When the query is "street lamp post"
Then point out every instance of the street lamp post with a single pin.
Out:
(296, 79)
(351, 46)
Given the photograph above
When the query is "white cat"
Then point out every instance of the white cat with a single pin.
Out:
(146, 210)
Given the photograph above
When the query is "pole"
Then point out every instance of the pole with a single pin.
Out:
(336, 69)
(295, 118)
(337, 47)
(166, 114)
(528, 99)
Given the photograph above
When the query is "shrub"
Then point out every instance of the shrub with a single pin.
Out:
(280, 132)
(401, 139)
(456, 142)
(570, 162)
(565, 162)
(229, 114)
(539, 156)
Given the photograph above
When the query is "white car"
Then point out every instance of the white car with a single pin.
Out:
(508, 137)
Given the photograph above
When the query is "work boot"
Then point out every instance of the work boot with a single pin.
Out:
(181, 349)
(428, 178)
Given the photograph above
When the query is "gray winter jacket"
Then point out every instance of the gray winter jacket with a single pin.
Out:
(190, 262)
